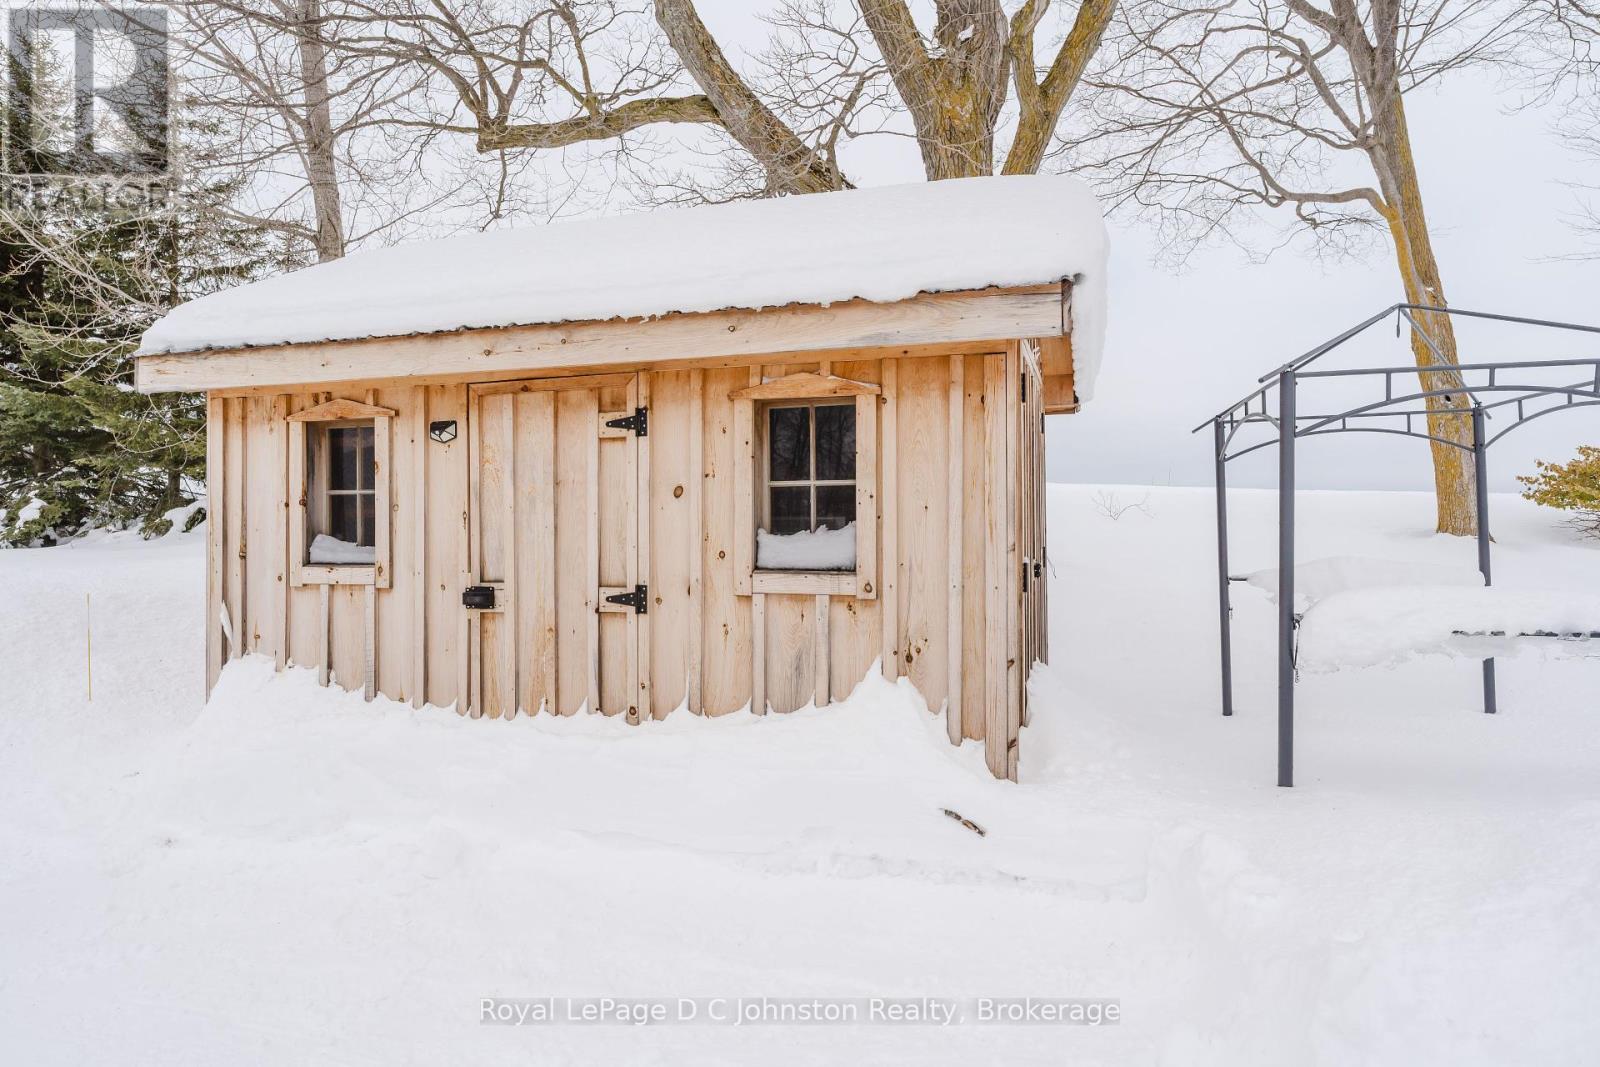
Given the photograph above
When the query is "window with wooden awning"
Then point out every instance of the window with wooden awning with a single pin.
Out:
(807, 484)
(339, 494)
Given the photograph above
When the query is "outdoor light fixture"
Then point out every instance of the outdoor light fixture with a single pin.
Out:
(443, 431)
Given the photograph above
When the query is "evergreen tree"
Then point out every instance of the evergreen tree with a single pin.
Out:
(86, 264)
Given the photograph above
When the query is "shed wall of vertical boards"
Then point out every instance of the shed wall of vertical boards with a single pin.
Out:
(959, 481)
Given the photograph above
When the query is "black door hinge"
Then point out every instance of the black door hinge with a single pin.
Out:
(1025, 569)
(638, 422)
(638, 600)
(1024, 377)
(478, 597)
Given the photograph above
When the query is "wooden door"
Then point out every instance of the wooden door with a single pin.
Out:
(557, 470)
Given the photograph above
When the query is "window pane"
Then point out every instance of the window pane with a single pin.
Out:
(343, 520)
(791, 509)
(343, 462)
(367, 530)
(836, 504)
(368, 457)
(789, 444)
(836, 442)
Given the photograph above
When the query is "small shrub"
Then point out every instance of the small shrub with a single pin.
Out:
(1114, 507)
(1573, 487)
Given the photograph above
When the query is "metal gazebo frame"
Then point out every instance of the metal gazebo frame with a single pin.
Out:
(1476, 380)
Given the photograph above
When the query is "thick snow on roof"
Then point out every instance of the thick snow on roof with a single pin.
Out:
(882, 244)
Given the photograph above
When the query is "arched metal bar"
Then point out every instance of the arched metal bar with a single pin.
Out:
(1322, 423)
(1526, 391)
(1454, 368)
(1417, 413)
(1539, 414)
(1381, 429)
(1253, 448)
(1588, 385)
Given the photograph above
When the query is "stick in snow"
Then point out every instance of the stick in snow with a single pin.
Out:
(968, 823)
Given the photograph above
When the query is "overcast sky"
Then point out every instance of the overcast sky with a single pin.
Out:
(1183, 344)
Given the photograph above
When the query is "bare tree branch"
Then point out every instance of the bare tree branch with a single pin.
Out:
(791, 166)
(601, 126)
(1042, 101)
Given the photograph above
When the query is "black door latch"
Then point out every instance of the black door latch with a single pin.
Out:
(478, 597)
(638, 600)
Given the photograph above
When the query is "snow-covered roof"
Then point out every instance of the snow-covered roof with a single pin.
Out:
(882, 244)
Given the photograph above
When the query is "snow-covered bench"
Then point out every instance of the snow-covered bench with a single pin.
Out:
(1370, 627)
(1355, 612)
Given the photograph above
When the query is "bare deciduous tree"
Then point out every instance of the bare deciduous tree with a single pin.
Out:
(1214, 109)
(568, 72)
(328, 134)
(1571, 42)
(1573, 27)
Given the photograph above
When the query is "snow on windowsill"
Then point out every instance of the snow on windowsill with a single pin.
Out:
(814, 550)
(326, 548)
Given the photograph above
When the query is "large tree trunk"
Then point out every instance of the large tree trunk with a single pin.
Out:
(1453, 472)
(955, 92)
(956, 127)
(321, 171)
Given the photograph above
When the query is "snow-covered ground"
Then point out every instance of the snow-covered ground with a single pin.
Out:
(294, 876)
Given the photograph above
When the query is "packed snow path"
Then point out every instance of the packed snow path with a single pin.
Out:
(294, 876)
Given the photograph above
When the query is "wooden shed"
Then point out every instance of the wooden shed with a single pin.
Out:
(700, 459)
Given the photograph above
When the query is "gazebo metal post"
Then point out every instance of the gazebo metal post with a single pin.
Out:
(1480, 469)
(1224, 608)
(1286, 621)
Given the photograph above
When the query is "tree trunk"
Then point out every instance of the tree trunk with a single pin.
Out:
(321, 171)
(172, 495)
(971, 74)
(1453, 472)
(955, 92)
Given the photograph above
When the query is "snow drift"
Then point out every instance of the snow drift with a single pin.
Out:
(289, 874)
